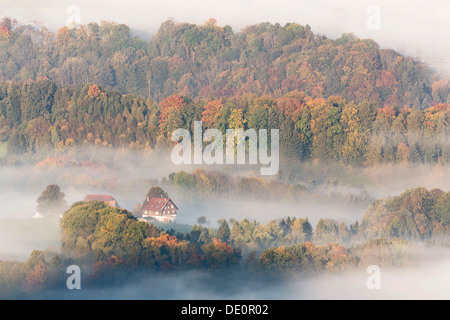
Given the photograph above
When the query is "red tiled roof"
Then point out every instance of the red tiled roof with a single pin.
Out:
(99, 197)
(157, 204)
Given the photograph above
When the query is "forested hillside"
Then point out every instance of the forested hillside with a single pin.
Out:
(209, 60)
(112, 246)
(41, 117)
(342, 100)
(416, 214)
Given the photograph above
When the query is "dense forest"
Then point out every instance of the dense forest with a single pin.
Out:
(111, 245)
(333, 100)
(346, 101)
(209, 60)
(41, 117)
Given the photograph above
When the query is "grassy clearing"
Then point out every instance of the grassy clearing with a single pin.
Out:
(173, 225)
(3, 147)
(356, 180)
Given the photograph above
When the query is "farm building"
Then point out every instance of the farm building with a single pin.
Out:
(160, 209)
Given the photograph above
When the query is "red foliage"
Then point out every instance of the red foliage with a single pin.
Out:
(35, 280)
(386, 112)
(4, 33)
(168, 104)
(211, 113)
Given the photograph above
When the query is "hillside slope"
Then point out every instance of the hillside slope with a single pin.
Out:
(204, 60)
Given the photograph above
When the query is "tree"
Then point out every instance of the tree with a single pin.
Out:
(51, 201)
(17, 144)
(211, 113)
(236, 120)
(185, 180)
(95, 229)
(35, 281)
(201, 220)
(157, 192)
(290, 144)
(301, 230)
(170, 117)
(219, 254)
(355, 136)
(13, 110)
(224, 231)
(305, 134)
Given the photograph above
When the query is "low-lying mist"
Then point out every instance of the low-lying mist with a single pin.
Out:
(429, 280)
(128, 176)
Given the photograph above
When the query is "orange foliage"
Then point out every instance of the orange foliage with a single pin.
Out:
(63, 35)
(101, 268)
(433, 114)
(387, 112)
(211, 113)
(170, 110)
(292, 107)
(95, 92)
(51, 162)
(168, 104)
(4, 33)
(174, 101)
(222, 246)
(387, 80)
(440, 107)
(164, 239)
(35, 280)
(337, 251)
(41, 78)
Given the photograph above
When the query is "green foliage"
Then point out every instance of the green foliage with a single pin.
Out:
(386, 253)
(29, 279)
(157, 192)
(218, 61)
(91, 226)
(201, 220)
(184, 180)
(305, 134)
(93, 232)
(3, 149)
(224, 231)
(51, 201)
(317, 129)
(306, 258)
(220, 255)
(329, 230)
(417, 214)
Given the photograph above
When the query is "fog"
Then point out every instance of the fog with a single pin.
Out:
(19, 237)
(429, 280)
(128, 176)
(264, 211)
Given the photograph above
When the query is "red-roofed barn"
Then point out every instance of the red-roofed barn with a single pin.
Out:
(161, 209)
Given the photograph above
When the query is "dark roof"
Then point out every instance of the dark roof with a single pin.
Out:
(157, 204)
(99, 197)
